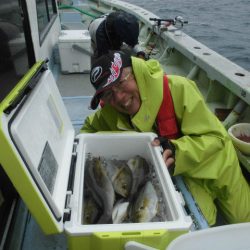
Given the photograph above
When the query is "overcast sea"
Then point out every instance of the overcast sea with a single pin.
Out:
(222, 25)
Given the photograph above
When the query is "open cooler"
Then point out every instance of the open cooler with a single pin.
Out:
(46, 162)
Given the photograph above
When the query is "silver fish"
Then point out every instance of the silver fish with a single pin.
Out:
(146, 204)
(140, 171)
(120, 211)
(101, 188)
(121, 176)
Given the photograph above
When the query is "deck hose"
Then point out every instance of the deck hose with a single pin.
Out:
(78, 9)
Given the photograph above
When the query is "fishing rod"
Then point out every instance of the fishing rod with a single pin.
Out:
(160, 20)
(177, 20)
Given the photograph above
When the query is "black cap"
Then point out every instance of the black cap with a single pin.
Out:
(106, 72)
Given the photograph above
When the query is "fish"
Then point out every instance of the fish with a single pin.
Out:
(121, 176)
(100, 186)
(91, 211)
(120, 211)
(146, 205)
(140, 172)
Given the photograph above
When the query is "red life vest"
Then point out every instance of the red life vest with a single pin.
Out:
(166, 119)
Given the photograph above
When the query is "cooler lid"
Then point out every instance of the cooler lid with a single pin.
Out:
(69, 36)
(40, 137)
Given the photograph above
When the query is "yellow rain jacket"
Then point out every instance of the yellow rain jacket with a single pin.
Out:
(205, 156)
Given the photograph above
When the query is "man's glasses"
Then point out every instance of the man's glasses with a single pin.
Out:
(119, 87)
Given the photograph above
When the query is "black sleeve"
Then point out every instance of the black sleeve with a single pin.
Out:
(102, 42)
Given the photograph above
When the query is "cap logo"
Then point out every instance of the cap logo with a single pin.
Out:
(115, 69)
(96, 73)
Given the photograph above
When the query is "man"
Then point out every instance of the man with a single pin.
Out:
(109, 32)
(138, 97)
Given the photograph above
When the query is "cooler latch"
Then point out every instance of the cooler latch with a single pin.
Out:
(67, 209)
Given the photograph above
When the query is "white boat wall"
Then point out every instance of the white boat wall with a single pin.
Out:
(224, 85)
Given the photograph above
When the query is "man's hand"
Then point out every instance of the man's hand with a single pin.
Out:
(168, 154)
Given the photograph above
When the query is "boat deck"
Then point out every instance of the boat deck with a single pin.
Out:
(76, 92)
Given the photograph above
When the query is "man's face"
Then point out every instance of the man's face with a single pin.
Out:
(124, 96)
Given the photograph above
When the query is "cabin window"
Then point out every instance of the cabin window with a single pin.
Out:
(46, 14)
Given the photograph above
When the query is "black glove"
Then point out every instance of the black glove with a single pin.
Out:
(143, 55)
(166, 144)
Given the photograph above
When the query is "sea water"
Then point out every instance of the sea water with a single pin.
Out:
(221, 25)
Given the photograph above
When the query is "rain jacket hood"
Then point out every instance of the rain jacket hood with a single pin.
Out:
(149, 78)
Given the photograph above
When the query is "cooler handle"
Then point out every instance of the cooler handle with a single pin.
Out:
(80, 49)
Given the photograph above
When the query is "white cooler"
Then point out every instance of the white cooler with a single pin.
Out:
(45, 162)
(74, 51)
